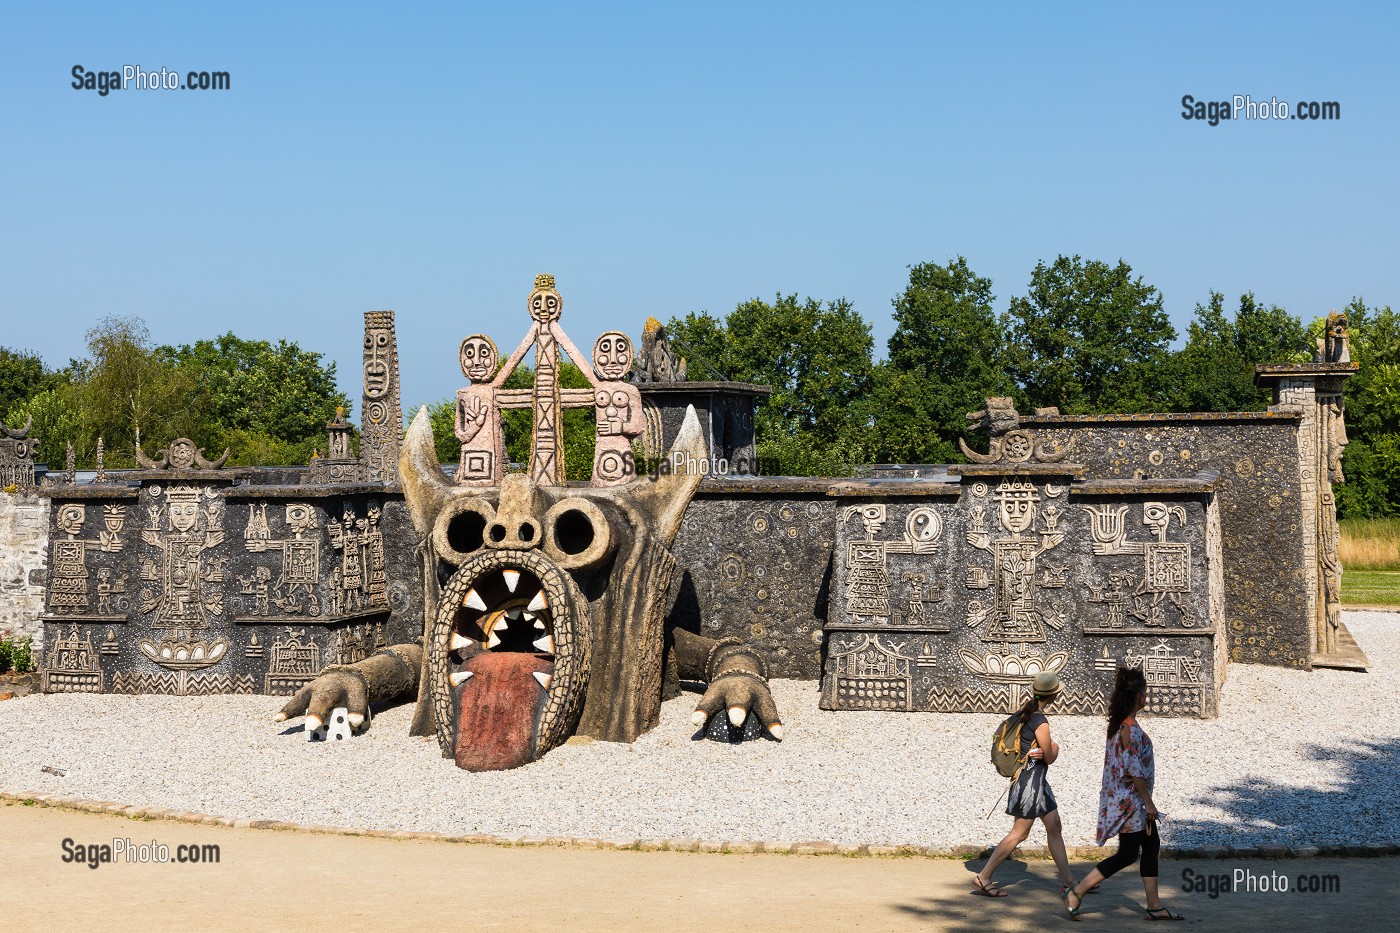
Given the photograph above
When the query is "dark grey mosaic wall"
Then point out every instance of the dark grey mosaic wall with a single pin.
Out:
(187, 585)
(1267, 576)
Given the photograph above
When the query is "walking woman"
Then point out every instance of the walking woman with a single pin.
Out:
(1126, 809)
(1031, 798)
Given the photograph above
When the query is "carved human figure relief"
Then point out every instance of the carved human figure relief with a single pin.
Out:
(176, 590)
(1013, 615)
(69, 592)
(300, 572)
(478, 419)
(619, 416)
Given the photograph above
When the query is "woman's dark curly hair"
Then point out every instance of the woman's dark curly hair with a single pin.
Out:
(1128, 682)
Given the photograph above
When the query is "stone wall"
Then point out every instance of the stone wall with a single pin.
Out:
(1270, 570)
(186, 584)
(24, 539)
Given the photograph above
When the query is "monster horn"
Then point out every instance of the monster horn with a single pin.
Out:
(425, 486)
(665, 495)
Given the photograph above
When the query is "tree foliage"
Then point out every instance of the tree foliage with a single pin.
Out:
(945, 357)
(1089, 337)
(1215, 370)
(1372, 459)
(817, 358)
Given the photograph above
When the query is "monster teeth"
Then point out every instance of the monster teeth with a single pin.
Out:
(539, 623)
(512, 579)
(545, 644)
(495, 638)
(543, 678)
(459, 677)
(538, 603)
(459, 641)
(474, 601)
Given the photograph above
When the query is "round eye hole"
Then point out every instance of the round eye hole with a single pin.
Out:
(601, 398)
(577, 534)
(461, 529)
(382, 339)
(620, 399)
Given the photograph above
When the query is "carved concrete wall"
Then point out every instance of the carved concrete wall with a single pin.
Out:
(190, 585)
(1268, 574)
(24, 536)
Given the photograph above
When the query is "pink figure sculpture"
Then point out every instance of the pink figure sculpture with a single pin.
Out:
(619, 415)
(478, 419)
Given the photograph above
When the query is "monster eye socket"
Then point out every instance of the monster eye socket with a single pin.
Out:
(461, 528)
(577, 534)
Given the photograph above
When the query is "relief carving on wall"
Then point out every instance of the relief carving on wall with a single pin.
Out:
(294, 591)
(1166, 575)
(69, 592)
(181, 586)
(867, 589)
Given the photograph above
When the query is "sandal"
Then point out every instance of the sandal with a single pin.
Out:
(987, 889)
(1066, 887)
(1162, 913)
(1073, 911)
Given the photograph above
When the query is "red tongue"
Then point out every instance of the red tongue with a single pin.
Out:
(497, 710)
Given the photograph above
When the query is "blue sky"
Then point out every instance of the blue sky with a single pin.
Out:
(666, 158)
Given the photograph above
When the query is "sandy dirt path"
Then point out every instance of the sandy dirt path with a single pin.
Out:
(267, 880)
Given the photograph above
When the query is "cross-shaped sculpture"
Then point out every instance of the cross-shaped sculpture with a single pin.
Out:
(546, 397)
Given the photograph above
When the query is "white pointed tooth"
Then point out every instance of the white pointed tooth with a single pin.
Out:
(539, 624)
(495, 639)
(543, 678)
(737, 714)
(545, 644)
(538, 603)
(459, 677)
(474, 601)
(459, 641)
(512, 579)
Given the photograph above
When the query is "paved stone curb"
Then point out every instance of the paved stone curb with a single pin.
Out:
(745, 847)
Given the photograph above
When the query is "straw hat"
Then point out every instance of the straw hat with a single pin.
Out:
(1046, 685)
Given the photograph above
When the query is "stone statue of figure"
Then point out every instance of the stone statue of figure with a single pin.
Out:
(478, 419)
(618, 413)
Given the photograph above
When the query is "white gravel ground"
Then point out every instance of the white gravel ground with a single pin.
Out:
(1295, 758)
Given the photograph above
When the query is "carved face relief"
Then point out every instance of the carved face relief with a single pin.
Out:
(182, 454)
(479, 356)
(184, 511)
(376, 362)
(1016, 506)
(545, 305)
(70, 518)
(551, 617)
(612, 355)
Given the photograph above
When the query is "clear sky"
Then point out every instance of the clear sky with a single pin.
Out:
(665, 158)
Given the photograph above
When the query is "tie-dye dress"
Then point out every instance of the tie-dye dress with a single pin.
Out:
(1120, 808)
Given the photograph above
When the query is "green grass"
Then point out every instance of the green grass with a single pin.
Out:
(1371, 588)
(1370, 543)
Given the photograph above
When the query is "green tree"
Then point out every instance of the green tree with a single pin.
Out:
(817, 358)
(945, 358)
(1215, 370)
(269, 403)
(1372, 459)
(22, 376)
(1089, 337)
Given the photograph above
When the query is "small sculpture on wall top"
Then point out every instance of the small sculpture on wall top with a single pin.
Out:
(182, 454)
(1008, 442)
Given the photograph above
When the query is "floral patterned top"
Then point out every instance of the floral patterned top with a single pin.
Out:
(1120, 808)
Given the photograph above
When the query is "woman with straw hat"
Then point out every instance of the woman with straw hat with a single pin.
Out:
(1031, 798)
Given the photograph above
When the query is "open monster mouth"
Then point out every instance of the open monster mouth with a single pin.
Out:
(510, 660)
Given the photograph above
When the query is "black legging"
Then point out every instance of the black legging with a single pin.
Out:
(1128, 846)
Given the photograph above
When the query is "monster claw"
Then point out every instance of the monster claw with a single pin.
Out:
(737, 715)
(698, 717)
(356, 720)
(280, 717)
(776, 731)
(313, 723)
